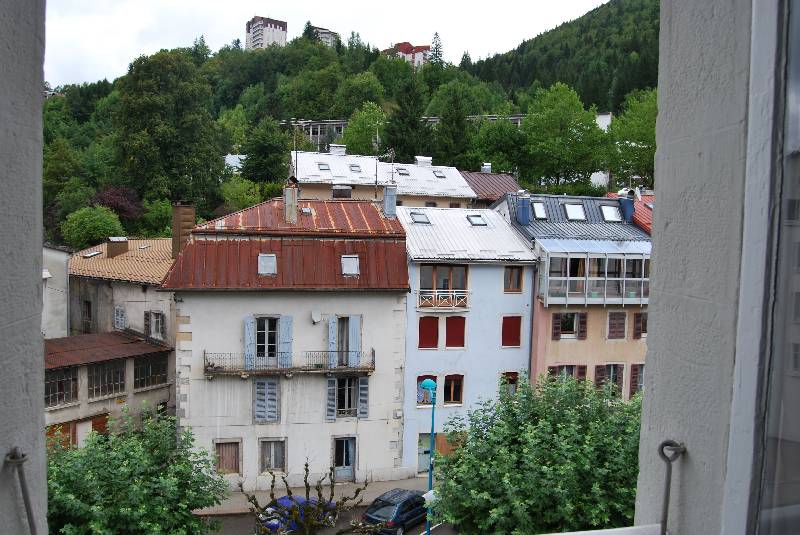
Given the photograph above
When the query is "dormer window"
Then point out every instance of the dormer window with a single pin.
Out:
(538, 210)
(419, 217)
(267, 264)
(350, 267)
(476, 220)
(575, 212)
(323, 166)
(439, 174)
(402, 171)
(355, 168)
(611, 213)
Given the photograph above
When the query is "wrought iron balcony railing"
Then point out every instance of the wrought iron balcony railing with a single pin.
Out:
(274, 363)
(340, 360)
(444, 298)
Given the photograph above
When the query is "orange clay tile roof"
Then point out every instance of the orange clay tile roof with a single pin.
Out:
(642, 213)
(147, 261)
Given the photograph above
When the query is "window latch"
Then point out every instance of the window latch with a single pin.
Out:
(675, 450)
(16, 459)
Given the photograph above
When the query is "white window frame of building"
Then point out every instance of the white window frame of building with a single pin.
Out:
(268, 326)
(420, 217)
(539, 210)
(569, 335)
(566, 370)
(267, 264)
(476, 220)
(611, 214)
(322, 166)
(104, 379)
(575, 211)
(350, 265)
(402, 171)
(439, 174)
(61, 386)
(267, 455)
(355, 168)
(347, 397)
(156, 323)
(119, 317)
(150, 370)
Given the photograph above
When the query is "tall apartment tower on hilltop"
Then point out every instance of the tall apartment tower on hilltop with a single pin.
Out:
(262, 32)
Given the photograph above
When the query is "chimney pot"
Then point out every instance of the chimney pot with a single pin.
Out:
(523, 211)
(423, 161)
(390, 200)
(182, 224)
(486, 167)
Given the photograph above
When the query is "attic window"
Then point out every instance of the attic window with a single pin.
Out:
(90, 255)
(355, 168)
(439, 174)
(350, 265)
(575, 212)
(402, 171)
(267, 264)
(144, 247)
(610, 213)
(323, 166)
(476, 220)
(538, 210)
(419, 217)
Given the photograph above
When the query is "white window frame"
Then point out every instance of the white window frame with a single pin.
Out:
(351, 395)
(272, 440)
(156, 320)
(355, 168)
(351, 265)
(439, 174)
(119, 317)
(614, 217)
(477, 220)
(573, 216)
(267, 264)
(539, 210)
(323, 166)
(574, 334)
(266, 330)
(402, 171)
(420, 218)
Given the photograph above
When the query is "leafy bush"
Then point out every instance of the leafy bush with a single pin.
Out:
(240, 193)
(558, 456)
(144, 479)
(90, 225)
(156, 220)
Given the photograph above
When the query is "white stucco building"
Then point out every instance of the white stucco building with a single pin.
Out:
(261, 32)
(468, 316)
(55, 291)
(291, 340)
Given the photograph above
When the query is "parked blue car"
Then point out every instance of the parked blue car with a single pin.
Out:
(277, 518)
(398, 509)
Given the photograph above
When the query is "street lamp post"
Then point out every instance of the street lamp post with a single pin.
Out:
(430, 386)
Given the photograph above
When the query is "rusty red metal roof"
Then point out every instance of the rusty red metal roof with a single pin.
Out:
(642, 211)
(90, 348)
(490, 186)
(343, 218)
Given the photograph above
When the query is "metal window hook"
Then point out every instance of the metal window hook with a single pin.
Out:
(676, 449)
(15, 458)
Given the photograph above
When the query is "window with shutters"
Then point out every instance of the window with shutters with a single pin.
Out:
(106, 378)
(510, 381)
(443, 286)
(266, 337)
(346, 396)
(512, 280)
(567, 324)
(609, 374)
(578, 371)
(343, 339)
(453, 389)
(511, 331)
(60, 386)
(640, 325)
(428, 332)
(119, 317)
(227, 456)
(637, 379)
(150, 370)
(616, 325)
(424, 396)
(266, 400)
(272, 455)
(454, 331)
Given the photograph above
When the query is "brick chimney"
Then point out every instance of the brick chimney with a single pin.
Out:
(182, 225)
(116, 245)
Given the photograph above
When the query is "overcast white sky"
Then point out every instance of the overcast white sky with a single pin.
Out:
(88, 40)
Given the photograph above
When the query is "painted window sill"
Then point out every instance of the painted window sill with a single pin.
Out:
(63, 406)
(151, 387)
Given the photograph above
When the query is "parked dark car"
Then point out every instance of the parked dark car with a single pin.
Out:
(275, 518)
(398, 509)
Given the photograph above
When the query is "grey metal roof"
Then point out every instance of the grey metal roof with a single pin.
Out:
(451, 236)
(628, 247)
(558, 226)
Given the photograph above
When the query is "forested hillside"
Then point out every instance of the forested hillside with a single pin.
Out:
(604, 55)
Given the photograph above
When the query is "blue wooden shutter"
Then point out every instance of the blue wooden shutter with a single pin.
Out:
(285, 342)
(363, 397)
(330, 407)
(249, 342)
(332, 340)
(355, 341)
(266, 406)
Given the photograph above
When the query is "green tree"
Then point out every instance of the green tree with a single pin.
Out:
(563, 142)
(356, 90)
(156, 219)
(255, 102)
(564, 457)
(167, 141)
(393, 74)
(453, 134)
(310, 94)
(61, 162)
(499, 142)
(405, 131)
(266, 153)
(359, 134)
(90, 225)
(477, 97)
(466, 62)
(239, 193)
(633, 138)
(140, 479)
(74, 196)
(436, 56)
(234, 124)
(309, 32)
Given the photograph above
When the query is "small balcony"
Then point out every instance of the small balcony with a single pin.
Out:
(443, 299)
(283, 363)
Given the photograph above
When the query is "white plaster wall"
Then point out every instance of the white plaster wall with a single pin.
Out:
(222, 408)
(55, 297)
(137, 298)
(482, 361)
(22, 380)
(700, 169)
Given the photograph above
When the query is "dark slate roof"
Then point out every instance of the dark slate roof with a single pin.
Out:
(558, 226)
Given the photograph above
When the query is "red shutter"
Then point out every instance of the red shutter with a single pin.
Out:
(428, 332)
(580, 373)
(637, 326)
(582, 325)
(454, 331)
(556, 326)
(616, 325)
(512, 326)
(600, 375)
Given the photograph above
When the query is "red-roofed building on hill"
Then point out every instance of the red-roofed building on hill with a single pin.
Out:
(291, 319)
(489, 187)
(415, 55)
(90, 377)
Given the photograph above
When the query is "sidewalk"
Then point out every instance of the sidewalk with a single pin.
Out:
(236, 503)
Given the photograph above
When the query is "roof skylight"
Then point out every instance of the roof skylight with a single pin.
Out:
(476, 220)
(355, 168)
(323, 166)
(439, 174)
(91, 254)
(419, 217)
(610, 213)
(402, 171)
(575, 212)
(538, 210)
